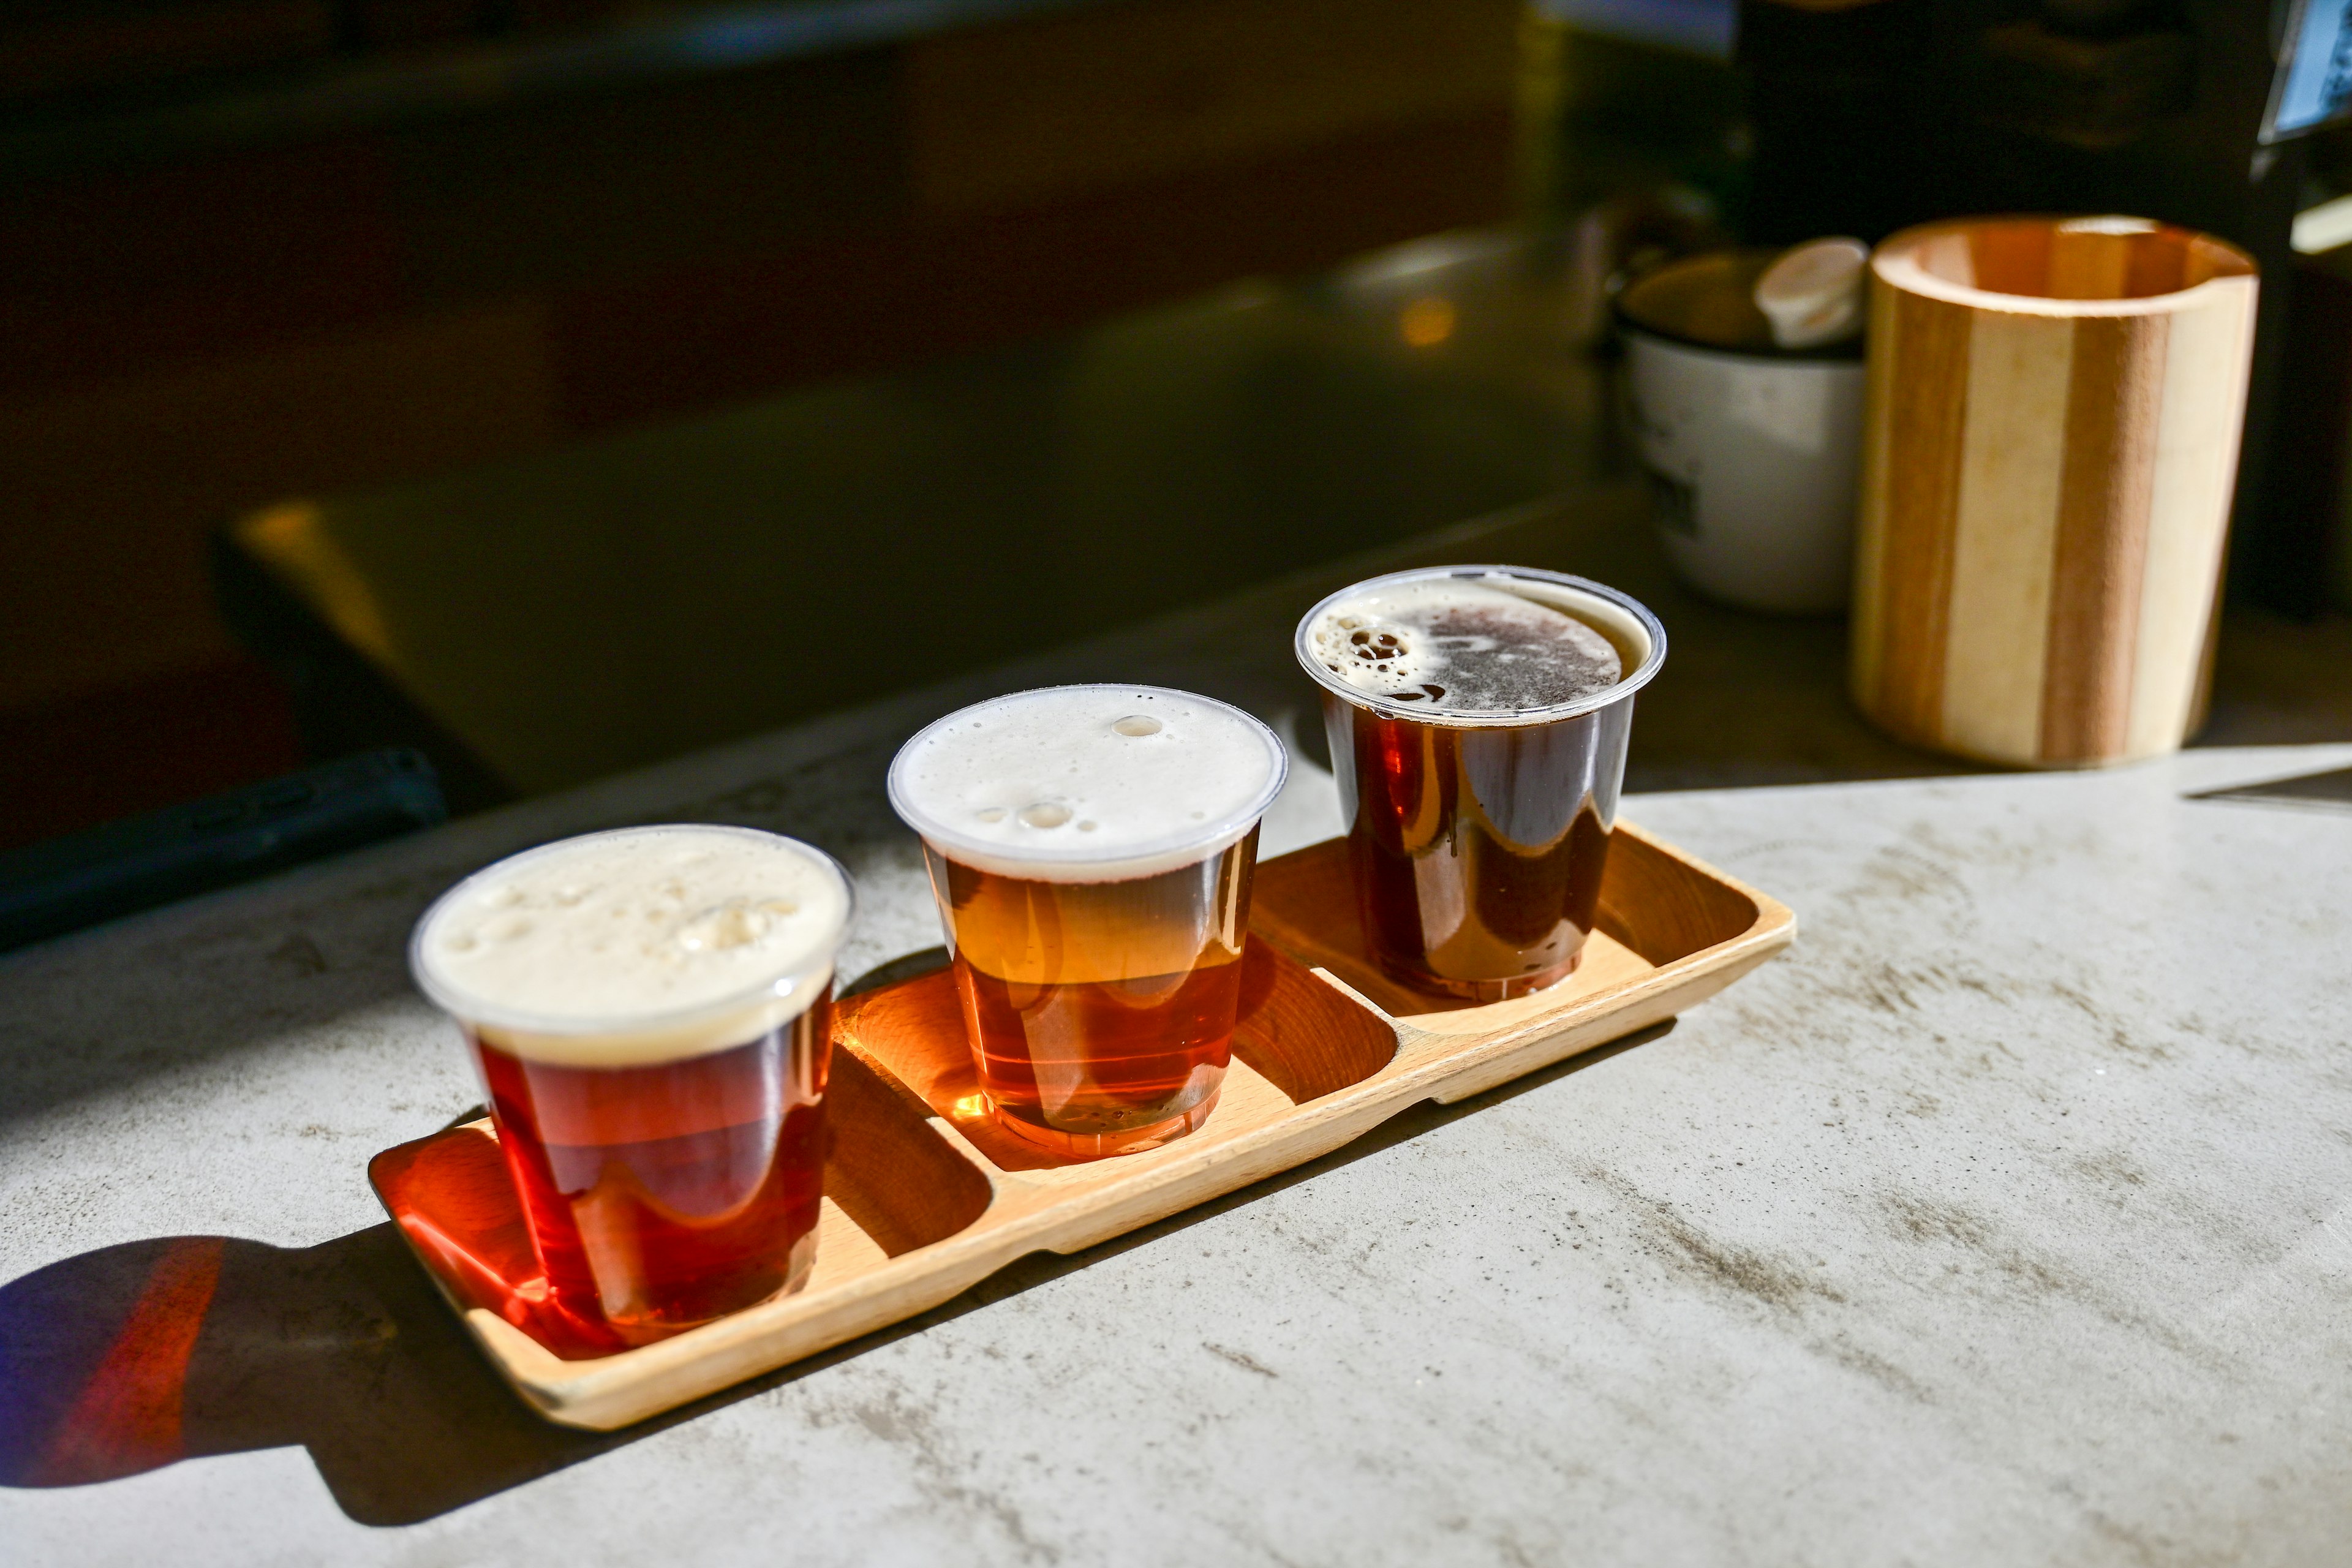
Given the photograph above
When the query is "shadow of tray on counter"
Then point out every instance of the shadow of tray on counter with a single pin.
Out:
(925, 1198)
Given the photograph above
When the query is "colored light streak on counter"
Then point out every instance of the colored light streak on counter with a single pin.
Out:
(455, 1200)
(72, 1413)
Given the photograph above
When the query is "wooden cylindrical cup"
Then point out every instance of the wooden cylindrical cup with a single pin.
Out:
(2049, 451)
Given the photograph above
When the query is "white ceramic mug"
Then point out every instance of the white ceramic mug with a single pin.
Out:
(1753, 452)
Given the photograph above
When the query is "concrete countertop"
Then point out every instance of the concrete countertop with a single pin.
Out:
(2006, 1220)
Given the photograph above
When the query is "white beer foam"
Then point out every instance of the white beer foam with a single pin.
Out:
(1088, 784)
(636, 946)
(1456, 645)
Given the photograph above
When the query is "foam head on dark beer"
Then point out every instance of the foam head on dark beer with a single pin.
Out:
(1086, 783)
(639, 945)
(1462, 644)
(1480, 645)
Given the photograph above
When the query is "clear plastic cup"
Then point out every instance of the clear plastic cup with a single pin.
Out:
(1478, 837)
(1091, 849)
(650, 1010)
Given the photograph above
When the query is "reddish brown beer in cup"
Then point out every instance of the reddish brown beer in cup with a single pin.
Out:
(650, 1012)
(1479, 718)
(664, 1195)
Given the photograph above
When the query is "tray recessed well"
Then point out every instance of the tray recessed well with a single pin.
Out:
(924, 1197)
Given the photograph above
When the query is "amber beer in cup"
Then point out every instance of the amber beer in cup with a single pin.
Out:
(1091, 848)
(1478, 717)
(650, 1011)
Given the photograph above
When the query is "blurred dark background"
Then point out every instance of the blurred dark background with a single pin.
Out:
(252, 249)
(327, 322)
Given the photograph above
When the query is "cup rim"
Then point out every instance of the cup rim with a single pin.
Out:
(1042, 861)
(799, 979)
(1895, 262)
(1640, 676)
(1849, 351)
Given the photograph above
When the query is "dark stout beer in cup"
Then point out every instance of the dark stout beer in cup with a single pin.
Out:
(1477, 717)
(650, 1012)
(1090, 848)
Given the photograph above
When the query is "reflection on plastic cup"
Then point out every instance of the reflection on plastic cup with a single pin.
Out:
(650, 1011)
(1479, 834)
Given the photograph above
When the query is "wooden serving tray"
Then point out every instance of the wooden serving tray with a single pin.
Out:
(924, 1197)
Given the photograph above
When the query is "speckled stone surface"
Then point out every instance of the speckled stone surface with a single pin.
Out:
(2007, 1219)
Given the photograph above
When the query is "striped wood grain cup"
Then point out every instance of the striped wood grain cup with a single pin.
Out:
(2049, 450)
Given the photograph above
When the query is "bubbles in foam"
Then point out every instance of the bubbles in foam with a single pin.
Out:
(629, 925)
(1087, 782)
(1457, 645)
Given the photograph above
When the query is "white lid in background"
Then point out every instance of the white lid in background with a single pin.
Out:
(1812, 295)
